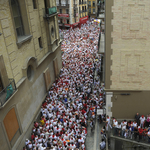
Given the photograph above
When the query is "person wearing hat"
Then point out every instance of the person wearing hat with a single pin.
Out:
(142, 121)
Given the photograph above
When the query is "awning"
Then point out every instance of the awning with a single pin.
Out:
(63, 15)
(83, 20)
(67, 25)
(75, 24)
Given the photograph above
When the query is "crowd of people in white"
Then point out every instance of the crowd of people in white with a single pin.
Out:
(74, 96)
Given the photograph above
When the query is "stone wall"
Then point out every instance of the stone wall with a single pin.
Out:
(130, 47)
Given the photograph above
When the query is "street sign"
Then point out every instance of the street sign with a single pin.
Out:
(99, 111)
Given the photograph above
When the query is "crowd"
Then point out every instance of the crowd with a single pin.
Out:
(138, 129)
(73, 97)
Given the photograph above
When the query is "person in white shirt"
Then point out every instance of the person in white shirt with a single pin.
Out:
(123, 124)
(119, 128)
(102, 145)
(108, 122)
(115, 124)
(142, 121)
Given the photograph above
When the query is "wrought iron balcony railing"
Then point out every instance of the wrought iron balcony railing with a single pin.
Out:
(7, 92)
(48, 12)
(138, 135)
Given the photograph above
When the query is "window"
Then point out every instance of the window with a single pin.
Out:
(89, 3)
(60, 11)
(40, 42)
(67, 21)
(30, 73)
(89, 10)
(67, 11)
(20, 21)
(34, 4)
(52, 30)
(93, 3)
(82, 8)
(93, 10)
(17, 18)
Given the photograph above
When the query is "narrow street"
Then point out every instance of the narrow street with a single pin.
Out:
(71, 104)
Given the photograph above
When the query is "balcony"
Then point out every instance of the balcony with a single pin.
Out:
(129, 136)
(75, 5)
(63, 5)
(52, 10)
(49, 12)
(80, 12)
(7, 92)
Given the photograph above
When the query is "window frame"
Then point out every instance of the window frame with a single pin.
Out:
(20, 40)
(93, 4)
(40, 42)
(34, 2)
(15, 16)
(60, 11)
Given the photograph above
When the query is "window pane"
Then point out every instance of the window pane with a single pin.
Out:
(19, 31)
(15, 10)
(17, 22)
(17, 17)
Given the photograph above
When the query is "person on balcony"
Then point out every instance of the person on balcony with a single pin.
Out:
(115, 124)
(136, 133)
(140, 133)
(142, 121)
(123, 124)
(137, 118)
(148, 134)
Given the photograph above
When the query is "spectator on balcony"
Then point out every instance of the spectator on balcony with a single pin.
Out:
(136, 133)
(148, 121)
(115, 124)
(140, 133)
(148, 134)
(123, 124)
(142, 121)
(119, 128)
(137, 118)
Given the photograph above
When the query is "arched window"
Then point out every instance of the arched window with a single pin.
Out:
(17, 17)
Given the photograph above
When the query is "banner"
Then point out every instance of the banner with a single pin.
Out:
(99, 111)
(63, 15)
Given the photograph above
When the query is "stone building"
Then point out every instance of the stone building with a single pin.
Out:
(68, 13)
(72, 13)
(127, 70)
(92, 8)
(30, 60)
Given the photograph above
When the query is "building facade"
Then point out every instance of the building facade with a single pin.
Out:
(30, 60)
(72, 13)
(92, 8)
(127, 58)
(68, 13)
